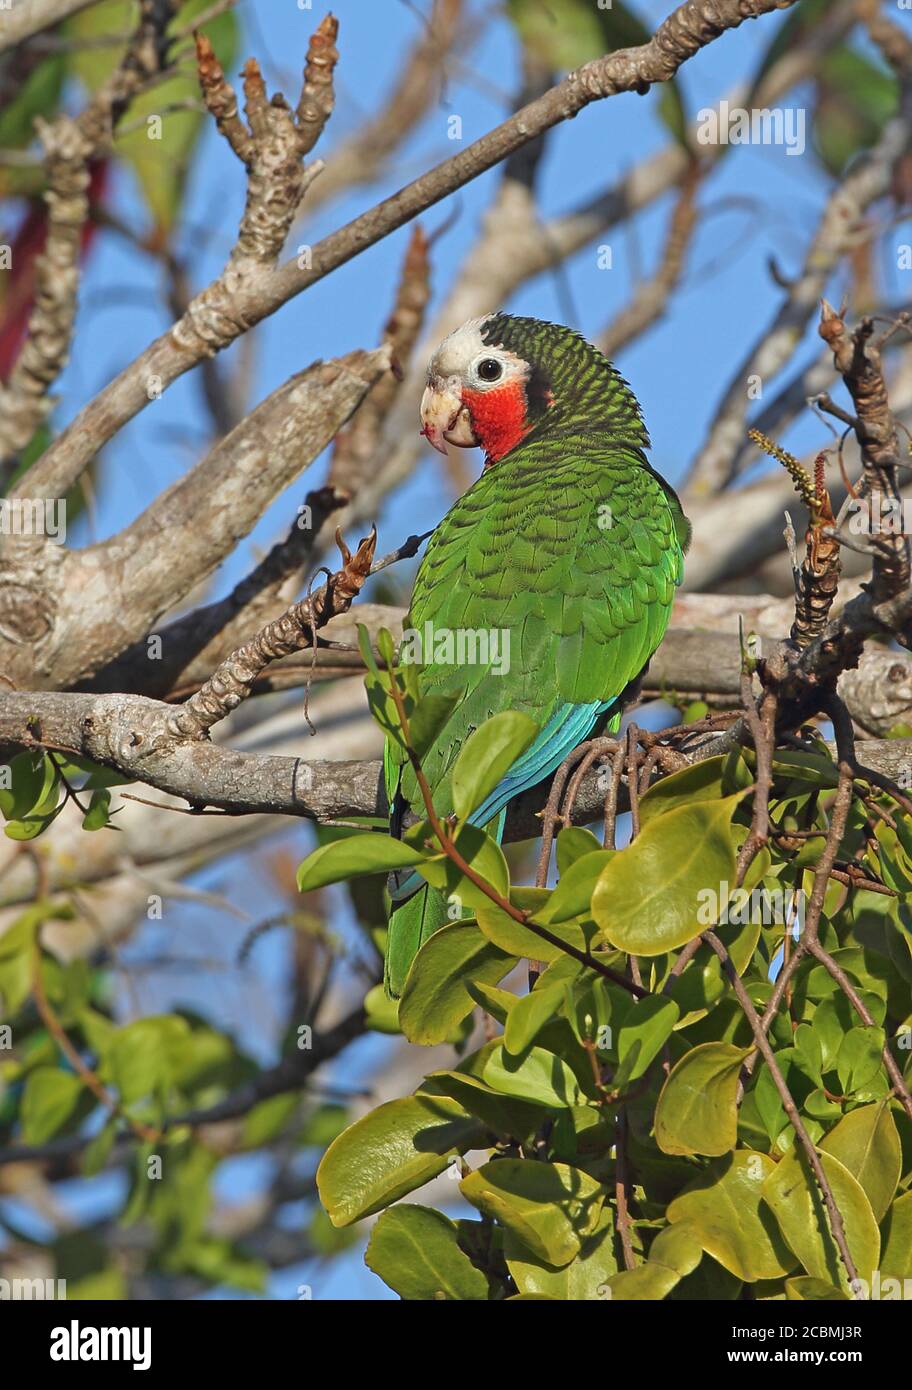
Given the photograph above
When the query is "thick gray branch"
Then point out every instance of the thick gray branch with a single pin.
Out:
(63, 616)
(27, 17)
(126, 732)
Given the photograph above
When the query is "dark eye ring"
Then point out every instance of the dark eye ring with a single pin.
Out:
(489, 369)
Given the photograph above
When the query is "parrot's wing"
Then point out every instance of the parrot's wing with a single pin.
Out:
(556, 572)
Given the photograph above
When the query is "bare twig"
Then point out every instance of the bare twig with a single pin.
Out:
(650, 299)
(232, 682)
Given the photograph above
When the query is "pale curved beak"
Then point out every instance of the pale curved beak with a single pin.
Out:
(444, 418)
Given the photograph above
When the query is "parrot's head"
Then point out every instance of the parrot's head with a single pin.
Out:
(497, 378)
(478, 391)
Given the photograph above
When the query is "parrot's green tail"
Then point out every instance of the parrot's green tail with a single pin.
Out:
(410, 925)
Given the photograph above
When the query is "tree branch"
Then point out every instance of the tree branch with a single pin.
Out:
(21, 22)
(132, 735)
(869, 179)
(56, 609)
(217, 317)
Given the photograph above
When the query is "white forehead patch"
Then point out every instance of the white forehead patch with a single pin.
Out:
(458, 349)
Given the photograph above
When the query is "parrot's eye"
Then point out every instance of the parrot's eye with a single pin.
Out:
(489, 369)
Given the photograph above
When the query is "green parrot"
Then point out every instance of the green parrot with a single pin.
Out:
(547, 586)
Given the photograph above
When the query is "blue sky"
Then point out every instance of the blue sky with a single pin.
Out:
(766, 202)
(678, 369)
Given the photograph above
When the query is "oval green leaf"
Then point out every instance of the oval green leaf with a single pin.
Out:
(529, 1015)
(647, 898)
(396, 1148)
(487, 756)
(792, 1194)
(354, 857)
(573, 894)
(866, 1140)
(435, 998)
(549, 1207)
(539, 1076)
(725, 1208)
(415, 1250)
(697, 1110)
(647, 1026)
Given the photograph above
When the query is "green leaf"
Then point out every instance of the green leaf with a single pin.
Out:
(702, 984)
(549, 1207)
(673, 1255)
(16, 951)
(866, 1140)
(383, 708)
(855, 99)
(140, 1056)
(860, 1058)
(896, 1257)
(386, 647)
(594, 1005)
(485, 858)
(725, 1210)
(33, 786)
(366, 650)
(38, 94)
(677, 1247)
(568, 33)
(804, 1289)
(435, 998)
(496, 1002)
(572, 843)
(573, 894)
(816, 768)
(19, 939)
(699, 782)
(381, 1012)
(767, 1097)
(353, 857)
(520, 940)
(539, 1076)
(268, 1120)
(428, 717)
(649, 1282)
(15, 981)
(584, 1278)
(509, 1117)
(810, 1051)
(396, 1148)
(792, 1194)
(49, 1099)
(529, 1015)
(97, 816)
(697, 1111)
(26, 829)
(487, 756)
(647, 1026)
(832, 1020)
(324, 1124)
(648, 897)
(415, 1250)
(819, 1107)
(98, 1150)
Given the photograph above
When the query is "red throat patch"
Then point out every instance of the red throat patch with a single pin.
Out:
(498, 417)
